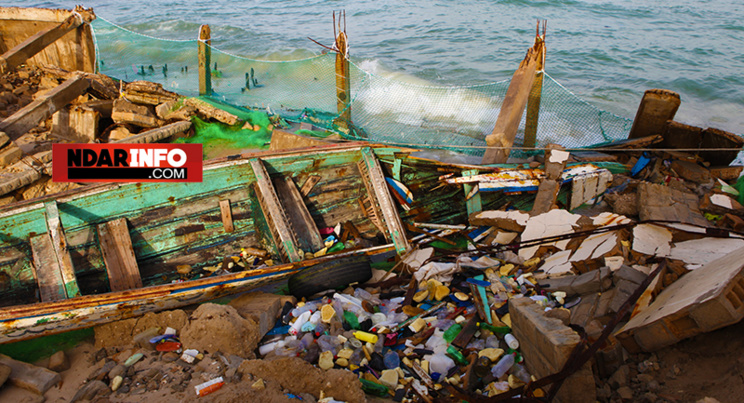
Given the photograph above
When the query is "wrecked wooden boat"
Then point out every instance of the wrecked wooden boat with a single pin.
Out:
(112, 251)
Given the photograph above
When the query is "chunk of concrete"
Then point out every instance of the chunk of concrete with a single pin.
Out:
(702, 300)
(546, 344)
(652, 240)
(138, 115)
(58, 362)
(512, 220)
(658, 202)
(697, 252)
(553, 223)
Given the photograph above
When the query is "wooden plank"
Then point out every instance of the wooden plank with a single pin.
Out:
(48, 276)
(512, 109)
(59, 243)
(472, 195)
(205, 59)
(533, 103)
(308, 235)
(30, 377)
(36, 43)
(157, 134)
(375, 181)
(309, 184)
(283, 140)
(657, 107)
(118, 255)
(275, 215)
(343, 87)
(43, 107)
(226, 214)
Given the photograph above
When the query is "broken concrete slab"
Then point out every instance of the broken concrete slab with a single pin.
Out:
(263, 308)
(512, 220)
(596, 246)
(697, 252)
(652, 240)
(30, 377)
(553, 223)
(691, 171)
(658, 202)
(702, 300)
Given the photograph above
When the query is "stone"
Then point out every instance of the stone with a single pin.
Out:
(325, 361)
(625, 393)
(389, 378)
(263, 308)
(562, 314)
(593, 281)
(628, 273)
(620, 377)
(90, 391)
(118, 370)
(493, 354)
(216, 327)
(58, 362)
(29, 376)
(4, 373)
(258, 385)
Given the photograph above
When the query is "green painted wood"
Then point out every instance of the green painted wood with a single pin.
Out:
(474, 203)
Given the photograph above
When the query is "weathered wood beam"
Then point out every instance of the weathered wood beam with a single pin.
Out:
(205, 59)
(118, 255)
(160, 133)
(59, 243)
(343, 86)
(36, 112)
(533, 103)
(503, 134)
(36, 43)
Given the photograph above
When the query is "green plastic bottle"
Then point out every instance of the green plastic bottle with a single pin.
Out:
(456, 355)
(351, 319)
(452, 332)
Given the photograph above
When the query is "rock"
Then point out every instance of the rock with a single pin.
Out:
(29, 376)
(138, 115)
(58, 362)
(653, 386)
(118, 370)
(258, 385)
(650, 397)
(625, 393)
(326, 360)
(169, 357)
(389, 378)
(4, 373)
(91, 390)
(620, 377)
(263, 308)
(708, 399)
(220, 328)
(563, 314)
(604, 393)
(101, 373)
(116, 383)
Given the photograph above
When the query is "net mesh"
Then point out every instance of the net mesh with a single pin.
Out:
(394, 110)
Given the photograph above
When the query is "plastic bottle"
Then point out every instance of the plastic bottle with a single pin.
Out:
(328, 343)
(440, 363)
(492, 341)
(351, 319)
(511, 341)
(310, 306)
(520, 372)
(452, 332)
(366, 337)
(209, 386)
(502, 366)
(457, 355)
(391, 359)
(297, 325)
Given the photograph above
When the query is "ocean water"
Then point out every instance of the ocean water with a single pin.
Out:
(607, 52)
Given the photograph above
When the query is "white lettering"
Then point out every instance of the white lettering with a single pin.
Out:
(181, 157)
(160, 156)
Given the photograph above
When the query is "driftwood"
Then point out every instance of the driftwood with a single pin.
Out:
(147, 93)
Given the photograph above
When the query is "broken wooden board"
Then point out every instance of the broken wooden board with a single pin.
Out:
(212, 112)
(512, 108)
(43, 107)
(283, 140)
(657, 107)
(148, 93)
(30, 377)
(118, 255)
(702, 300)
(300, 220)
(226, 214)
(47, 272)
(59, 243)
(157, 134)
(588, 187)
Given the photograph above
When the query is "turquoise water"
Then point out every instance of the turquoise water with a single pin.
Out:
(607, 52)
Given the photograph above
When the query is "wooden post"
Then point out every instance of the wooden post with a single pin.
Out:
(512, 109)
(533, 103)
(343, 94)
(205, 59)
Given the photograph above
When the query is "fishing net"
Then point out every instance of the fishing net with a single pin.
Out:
(395, 110)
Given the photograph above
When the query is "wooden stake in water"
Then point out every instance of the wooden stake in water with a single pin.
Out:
(205, 58)
(343, 87)
(533, 102)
